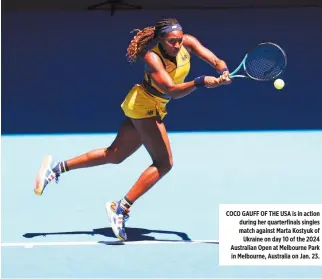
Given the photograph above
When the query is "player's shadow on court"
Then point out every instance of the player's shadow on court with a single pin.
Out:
(134, 234)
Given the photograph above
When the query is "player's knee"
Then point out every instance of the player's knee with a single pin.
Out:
(114, 156)
(117, 160)
(167, 167)
(164, 166)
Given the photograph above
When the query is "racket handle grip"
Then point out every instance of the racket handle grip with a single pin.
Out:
(224, 70)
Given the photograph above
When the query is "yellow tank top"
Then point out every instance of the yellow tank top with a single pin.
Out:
(177, 71)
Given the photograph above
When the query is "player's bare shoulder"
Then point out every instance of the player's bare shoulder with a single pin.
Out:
(189, 41)
(152, 61)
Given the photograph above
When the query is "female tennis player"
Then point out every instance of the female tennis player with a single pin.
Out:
(167, 64)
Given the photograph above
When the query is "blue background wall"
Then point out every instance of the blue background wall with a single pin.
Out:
(67, 72)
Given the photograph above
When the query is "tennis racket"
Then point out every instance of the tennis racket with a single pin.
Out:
(265, 62)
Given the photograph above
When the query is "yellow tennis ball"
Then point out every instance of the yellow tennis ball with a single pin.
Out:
(279, 84)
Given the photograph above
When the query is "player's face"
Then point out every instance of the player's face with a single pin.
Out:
(172, 42)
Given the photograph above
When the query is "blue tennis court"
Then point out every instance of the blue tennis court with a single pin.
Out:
(173, 229)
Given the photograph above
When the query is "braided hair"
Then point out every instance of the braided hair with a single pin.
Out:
(143, 37)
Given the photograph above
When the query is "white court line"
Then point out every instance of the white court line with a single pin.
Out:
(88, 243)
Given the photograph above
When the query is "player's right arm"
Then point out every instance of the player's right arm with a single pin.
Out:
(155, 68)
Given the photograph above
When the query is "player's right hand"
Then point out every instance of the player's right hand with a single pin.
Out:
(212, 82)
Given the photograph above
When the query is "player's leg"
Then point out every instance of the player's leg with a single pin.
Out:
(126, 143)
(155, 139)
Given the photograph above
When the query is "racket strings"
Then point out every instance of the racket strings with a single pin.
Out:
(265, 62)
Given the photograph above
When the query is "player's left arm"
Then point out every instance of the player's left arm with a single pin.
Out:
(192, 44)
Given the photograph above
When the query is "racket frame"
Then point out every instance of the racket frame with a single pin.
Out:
(242, 64)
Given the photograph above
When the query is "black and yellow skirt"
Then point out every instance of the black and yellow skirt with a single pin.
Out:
(140, 103)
